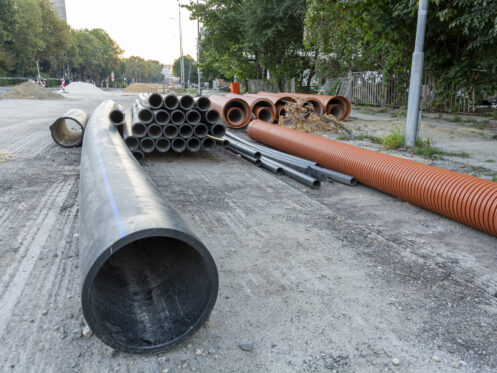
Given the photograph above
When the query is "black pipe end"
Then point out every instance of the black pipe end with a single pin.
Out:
(203, 103)
(155, 100)
(171, 102)
(186, 102)
(150, 290)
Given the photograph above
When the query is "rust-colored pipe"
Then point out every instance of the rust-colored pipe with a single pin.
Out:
(222, 104)
(265, 114)
(255, 103)
(337, 110)
(276, 99)
(466, 199)
(302, 101)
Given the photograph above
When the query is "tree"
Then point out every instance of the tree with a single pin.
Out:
(7, 27)
(190, 68)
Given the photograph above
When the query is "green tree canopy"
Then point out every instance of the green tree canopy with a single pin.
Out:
(190, 68)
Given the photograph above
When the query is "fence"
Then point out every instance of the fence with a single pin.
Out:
(375, 88)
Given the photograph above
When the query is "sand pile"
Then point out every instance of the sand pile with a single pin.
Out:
(81, 88)
(31, 91)
(5, 155)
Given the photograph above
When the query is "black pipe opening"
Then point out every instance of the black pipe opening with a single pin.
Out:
(200, 130)
(266, 115)
(171, 131)
(178, 145)
(145, 115)
(161, 117)
(186, 102)
(154, 131)
(116, 116)
(212, 116)
(139, 129)
(193, 117)
(131, 142)
(193, 144)
(163, 145)
(177, 117)
(150, 292)
(147, 145)
(139, 156)
(203, 103)
(218, 130)
(336, 111)
(186, 131)
(155, 100)
(208, 143)
(171, 102)
(235, 115)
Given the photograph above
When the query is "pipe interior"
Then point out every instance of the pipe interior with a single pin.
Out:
(155, 100)
(116, 116)
(138, 156)
(139, 129)
(178, 117)
(218, 130)
(147, 144)
(186, 102)
(171, 101)
(178, 144)
(212, 116)
(154, 130)
(151, 292)
(208, 143)
(162, 117)
(171, 131)
(200, 130)
(336, 110)
(186, 131)
(235, 115)
(131, 142)
(163, 145)
(203, 103)
(67, 132)
(193, 143)
(193, 117)
(265, 115)
(316, 106)
(241, 107)
(145, 115)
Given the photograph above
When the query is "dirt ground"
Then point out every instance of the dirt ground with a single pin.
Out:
(338, 279)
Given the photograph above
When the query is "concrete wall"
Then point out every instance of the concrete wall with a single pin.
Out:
(60, 8)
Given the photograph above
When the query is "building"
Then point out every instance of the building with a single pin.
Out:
(60, 8)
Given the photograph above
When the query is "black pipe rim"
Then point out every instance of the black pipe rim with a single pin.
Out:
(90, 277)
(171, 105)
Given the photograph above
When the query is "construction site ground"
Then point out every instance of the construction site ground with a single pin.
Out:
(337, 279)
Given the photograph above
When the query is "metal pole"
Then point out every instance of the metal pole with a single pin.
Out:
(198, 57)
(412, 124)
(181, 48)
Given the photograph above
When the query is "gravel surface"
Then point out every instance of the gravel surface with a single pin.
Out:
(338, 279)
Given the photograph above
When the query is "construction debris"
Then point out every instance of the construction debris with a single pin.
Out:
(31, 91)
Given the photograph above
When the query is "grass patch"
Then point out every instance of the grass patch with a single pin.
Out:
(395, 140)
(490, 161)
(376, 140)
(343, 136)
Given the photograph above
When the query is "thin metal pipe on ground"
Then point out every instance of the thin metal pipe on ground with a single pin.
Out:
(68, 130)
(244, 149)
(131, 241)
(464, 198)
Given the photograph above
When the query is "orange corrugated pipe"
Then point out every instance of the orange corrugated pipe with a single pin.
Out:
(466, 199)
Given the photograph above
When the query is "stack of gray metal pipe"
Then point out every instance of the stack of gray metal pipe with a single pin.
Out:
(158, 123)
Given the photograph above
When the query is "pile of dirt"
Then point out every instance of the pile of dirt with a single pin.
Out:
(138, 87)
(306, 120)
(31, 91)
(81, 88)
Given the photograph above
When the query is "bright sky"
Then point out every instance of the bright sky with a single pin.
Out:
(145, 28)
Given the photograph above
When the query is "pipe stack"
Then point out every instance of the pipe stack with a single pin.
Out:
(161, 124)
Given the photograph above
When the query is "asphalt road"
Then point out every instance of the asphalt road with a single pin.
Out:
(337, 279)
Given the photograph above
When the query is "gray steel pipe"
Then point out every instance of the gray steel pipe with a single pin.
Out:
(154, 131)
(147, 144)
(186, 102)
(242, 148)
(297, 175)
(161, 117)
(148, 282)
(202, 103)
(178, 145)
(193, 144)
(177, 117)
(171, 102)
(130, 140)
(68, 130)
(208, 143)
(255, 161)
(193, 116)
(162, 145)
(275, 168)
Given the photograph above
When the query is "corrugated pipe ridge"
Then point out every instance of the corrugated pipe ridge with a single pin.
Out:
(466, 199)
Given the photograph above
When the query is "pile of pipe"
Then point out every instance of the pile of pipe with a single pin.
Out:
(237, 111)
(304, 171)
(173, 123)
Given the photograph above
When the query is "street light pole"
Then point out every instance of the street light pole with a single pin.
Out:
(198, 57)
(413, 113)
(181, 48)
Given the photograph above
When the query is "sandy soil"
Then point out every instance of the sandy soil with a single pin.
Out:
(338, 279)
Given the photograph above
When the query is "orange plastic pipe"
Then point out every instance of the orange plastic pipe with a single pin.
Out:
(466, 199)
(222, 104)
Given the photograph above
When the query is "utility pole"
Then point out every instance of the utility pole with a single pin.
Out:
(413, 113)
(181, 48)
(198, 56)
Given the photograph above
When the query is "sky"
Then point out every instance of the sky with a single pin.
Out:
(145, 28)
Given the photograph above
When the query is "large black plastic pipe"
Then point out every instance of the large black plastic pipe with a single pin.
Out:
(200, 130)
(153, 100)
(154, 131)
(193, 116)
(202, 103)
(217, 130)
(211, 116)
(186, 102)
(193, 144)
(147, 281)
(177, 117)
(170, 131)
(116, 116)
(162, 145)
(131, 141)
(171, 102)
(68, 130)
(145, 115)
(161, 117)
(147, 144)
(208, 143)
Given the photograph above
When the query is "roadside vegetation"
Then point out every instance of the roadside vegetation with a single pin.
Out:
(31, 32)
